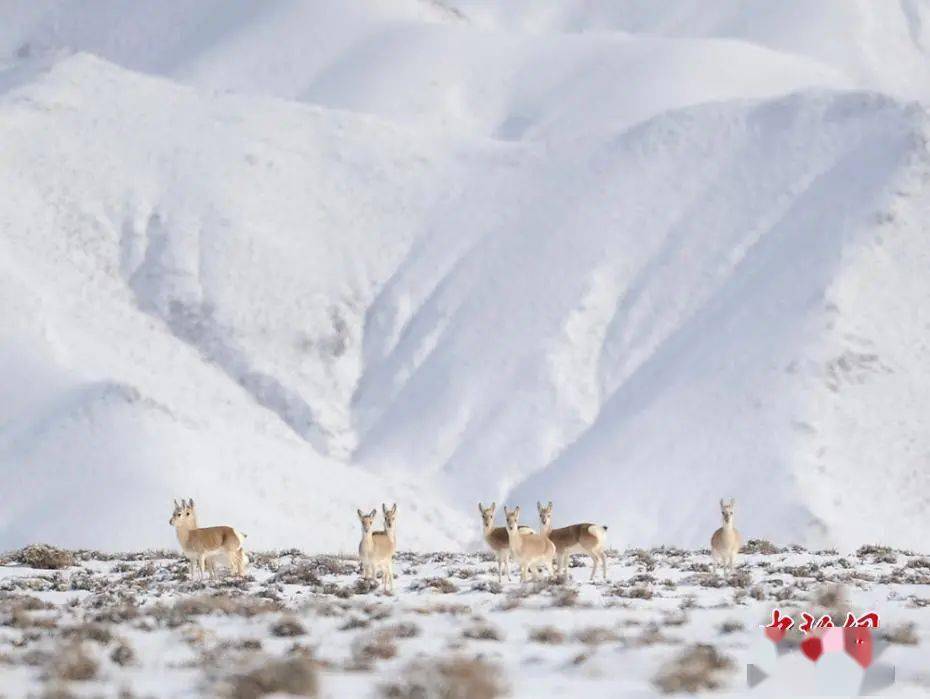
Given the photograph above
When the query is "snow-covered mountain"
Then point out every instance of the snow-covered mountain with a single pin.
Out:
(295, 258)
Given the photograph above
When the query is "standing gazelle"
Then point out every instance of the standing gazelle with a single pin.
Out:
(726, 541)
(376, 549)
(576, 538)
(532, 551)
(201, 543)
(497, 539)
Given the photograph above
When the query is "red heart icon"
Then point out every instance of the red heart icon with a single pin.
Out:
(812, 647)
(857, 641)
(775, 633)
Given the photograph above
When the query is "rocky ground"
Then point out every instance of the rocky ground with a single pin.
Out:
(83, 623)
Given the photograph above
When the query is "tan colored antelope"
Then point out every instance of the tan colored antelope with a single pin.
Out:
(376, 549)
(212, 558)
(532, 551)
(497, 539)
(576, 538)
(201, 543)
(726, 541)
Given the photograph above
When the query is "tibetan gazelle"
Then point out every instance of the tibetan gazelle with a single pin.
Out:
(376, 549)
(532, 551)
(497, 539)
(726, 541)
(576, 538)
(201, 543)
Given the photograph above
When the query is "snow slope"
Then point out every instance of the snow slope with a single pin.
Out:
(296, 258)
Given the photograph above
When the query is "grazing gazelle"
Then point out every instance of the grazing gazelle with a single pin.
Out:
(497, 539)
(726, 542)
(376, 549)
(532, 551)
(201, 543)
(577, 538)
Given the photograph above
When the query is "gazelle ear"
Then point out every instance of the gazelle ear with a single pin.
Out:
(480, 508)
(721, 502)
(360, 514)
(176, 505)
(549, 507)
(191, 502)
(394, 509)
(516, 510)
(732, 502)
(493, 506)
(373, 513)
(539, 505)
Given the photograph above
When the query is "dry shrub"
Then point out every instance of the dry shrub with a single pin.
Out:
(547, 634)
(184, 609)
(72, 662)
(483, 632)
(877, 554)
(89, 632)
(761, 546)
(287, 627)
(443, 585)
(450, 678)
(698, 668)
(638, 592)
(295, 676)
(45, 557)
(492, 586)
(565, 597)
(731, 626)
(405, 629)
(379, 645)
(595, 635)
(462, 573)
(644, 558)
(123, 654)
(301, 573)
(903, 634)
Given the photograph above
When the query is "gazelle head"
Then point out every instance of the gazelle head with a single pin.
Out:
(727, 509)
(487, 514)
(545, 514)
(183, 513)
(390, 516)
(513, 518)
(368, 521)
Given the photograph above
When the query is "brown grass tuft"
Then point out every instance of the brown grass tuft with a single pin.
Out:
(451, 678)
(697, 668)
(45, 557)
(295, 676)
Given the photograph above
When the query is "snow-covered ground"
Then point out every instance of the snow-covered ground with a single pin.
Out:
(294, 258)
(134, 623)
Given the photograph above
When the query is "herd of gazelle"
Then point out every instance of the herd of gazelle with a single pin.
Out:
(549, 548)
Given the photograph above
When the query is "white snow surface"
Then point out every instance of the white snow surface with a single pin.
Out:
(295, 258)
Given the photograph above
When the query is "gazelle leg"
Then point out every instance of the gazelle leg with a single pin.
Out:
(593, 566)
